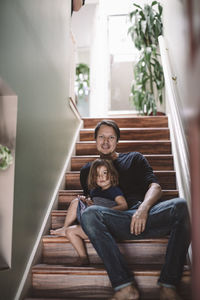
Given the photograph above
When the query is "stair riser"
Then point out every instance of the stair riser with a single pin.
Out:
(131, 134)
(139, 122)
(145, 253)
(92, 286)
(88, 148)
(157, 162)
(65, 199)
(167, 180)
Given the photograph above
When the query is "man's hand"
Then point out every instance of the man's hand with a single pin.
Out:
(138, 221)
(139, 218)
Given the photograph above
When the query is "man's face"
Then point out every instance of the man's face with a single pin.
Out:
(106, 140)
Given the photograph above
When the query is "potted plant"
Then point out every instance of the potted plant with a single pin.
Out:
(6, 158)
(147, 88)
(82, 83)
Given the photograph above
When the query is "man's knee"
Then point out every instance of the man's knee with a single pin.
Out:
(181, 207)
(90, 214)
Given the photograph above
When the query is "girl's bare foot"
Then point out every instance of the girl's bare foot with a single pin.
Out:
(59, 231)
(127, 293)
(81, 261)
(167, 293)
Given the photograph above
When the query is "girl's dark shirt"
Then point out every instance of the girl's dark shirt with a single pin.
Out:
(135, 176)
(110, 193)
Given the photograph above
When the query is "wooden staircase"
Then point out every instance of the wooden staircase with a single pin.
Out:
(55, 277)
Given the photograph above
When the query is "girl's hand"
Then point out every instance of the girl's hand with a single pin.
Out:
(82, 198)
(89, 201)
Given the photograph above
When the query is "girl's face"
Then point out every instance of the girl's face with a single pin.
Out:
(103, 178)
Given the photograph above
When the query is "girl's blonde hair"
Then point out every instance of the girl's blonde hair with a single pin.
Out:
(112, 172)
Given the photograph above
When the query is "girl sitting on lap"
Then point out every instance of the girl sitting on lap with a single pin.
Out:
(102, 182)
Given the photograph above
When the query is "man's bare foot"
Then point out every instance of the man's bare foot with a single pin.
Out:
(168, 294)
(82, 261)
(59, 231)
(127, 293)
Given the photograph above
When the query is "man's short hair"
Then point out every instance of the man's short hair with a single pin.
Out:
(107, 123)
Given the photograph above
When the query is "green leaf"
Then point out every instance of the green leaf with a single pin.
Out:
(154, 3)
(136, 5)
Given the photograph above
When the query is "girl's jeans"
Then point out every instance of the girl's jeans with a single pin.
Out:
(103, 226)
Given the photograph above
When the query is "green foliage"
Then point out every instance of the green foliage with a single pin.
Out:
(146, 27)
(6, 158)
(82, 80)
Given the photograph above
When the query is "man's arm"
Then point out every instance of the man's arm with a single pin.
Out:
(139, 219)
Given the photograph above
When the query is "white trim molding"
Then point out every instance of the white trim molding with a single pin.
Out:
(178, 137)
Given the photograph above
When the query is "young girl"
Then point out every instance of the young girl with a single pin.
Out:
(102, 182)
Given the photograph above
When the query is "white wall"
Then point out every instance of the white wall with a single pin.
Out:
(176, 37)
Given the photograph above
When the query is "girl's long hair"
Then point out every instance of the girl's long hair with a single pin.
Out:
(112, 172)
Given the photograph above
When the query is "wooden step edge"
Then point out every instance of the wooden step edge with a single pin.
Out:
(138, 270)
(70, 192)
(97, 156)
(62, 239)
(124, 117)
(128, 141)
(130, 128)
(77, 192)
(156, 172)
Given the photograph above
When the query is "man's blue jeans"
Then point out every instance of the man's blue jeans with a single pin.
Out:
(104, 226)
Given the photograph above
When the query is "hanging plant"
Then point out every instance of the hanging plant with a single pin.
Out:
(6, 158)
(82, 83)
(147, 88)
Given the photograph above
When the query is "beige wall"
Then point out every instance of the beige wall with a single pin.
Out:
(34, 60)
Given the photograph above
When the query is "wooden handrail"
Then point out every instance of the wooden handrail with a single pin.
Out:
(74, 108)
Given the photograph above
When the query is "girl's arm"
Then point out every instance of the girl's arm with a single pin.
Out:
(121, 203)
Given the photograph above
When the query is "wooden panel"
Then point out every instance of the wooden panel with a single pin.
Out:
(90, 282)
(66, 196)
(145, 147)
(58, 250)
(130, 122)
(157, 162)
(166, 179)
(132, 134)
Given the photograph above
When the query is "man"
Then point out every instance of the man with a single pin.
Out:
(145, 218)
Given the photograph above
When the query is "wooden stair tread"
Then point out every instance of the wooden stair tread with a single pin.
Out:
(153, 270)
(66, 196)
(145, 147)
(78, 192)
(62, 239)
(167, 179)
(156, 172)
(131, 134)
(58, 250)
(135, 121)
(130, 128)
(157, 161)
